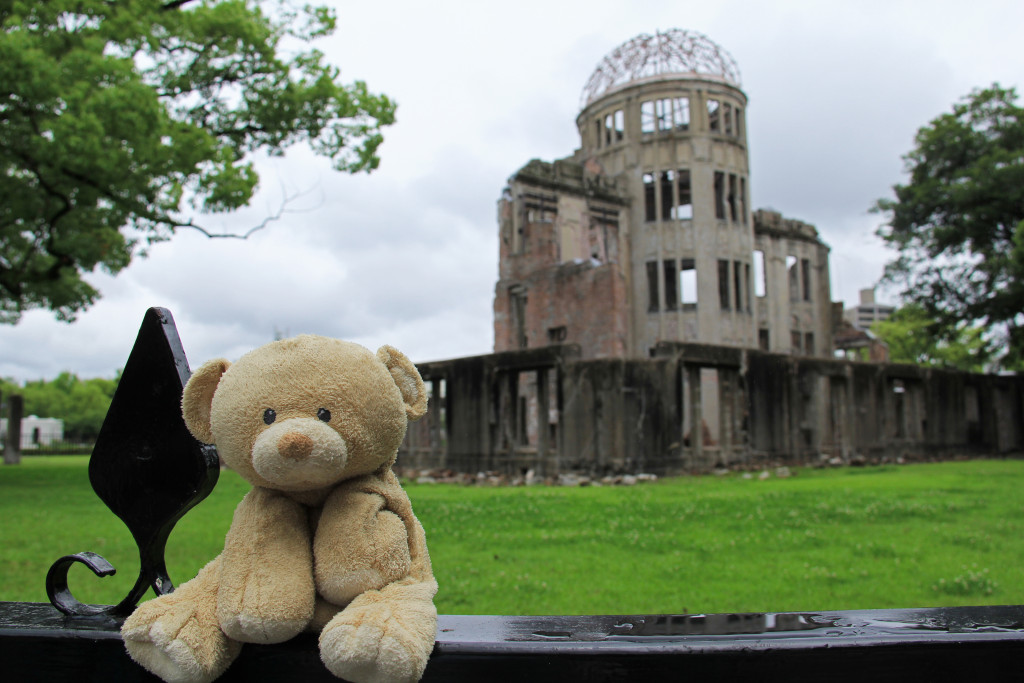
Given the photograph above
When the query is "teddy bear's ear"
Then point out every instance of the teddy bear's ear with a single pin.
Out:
(198, 398)
(408, 379)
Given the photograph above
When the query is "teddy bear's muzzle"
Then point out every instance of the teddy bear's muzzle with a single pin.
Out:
(299, 453)
(295, 446)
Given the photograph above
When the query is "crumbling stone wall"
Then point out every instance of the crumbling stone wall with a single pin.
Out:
(654, 415)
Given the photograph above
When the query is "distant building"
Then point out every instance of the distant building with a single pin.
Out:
(868, 311)
(35, 431)
(645, 234)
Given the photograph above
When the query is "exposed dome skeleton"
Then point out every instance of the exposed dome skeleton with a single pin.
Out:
(674, 51)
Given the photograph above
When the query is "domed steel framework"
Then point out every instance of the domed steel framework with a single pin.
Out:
(674, 51)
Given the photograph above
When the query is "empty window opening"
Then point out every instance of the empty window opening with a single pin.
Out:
(743, 200)
(739, 122)
(684, 204)
(604, 233)
(732, 198)
(614, 127)
(598, 129)
(723, 284)
(650, 211)
(796, 340)
(663, 112)
(596, 250)
(557, 335)
(710, 401)
(681, 113)
(746, 284)
(667, 181)
(805, 272)
(671, 298)
(539, 207)
(809, 343)
(688, 283)
(763, 339)
(760, 285)
(665, 115)
(794, 278)
(517, 304)
(647, 117)
(727, 117)
(652, 287)
(899, 408)
(714, 113)
(736, 269)
(719, 195)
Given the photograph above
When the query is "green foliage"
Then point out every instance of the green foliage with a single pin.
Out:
(120, 119)
(913, 337)
(912, 536)
(958, 223)
(81, 404)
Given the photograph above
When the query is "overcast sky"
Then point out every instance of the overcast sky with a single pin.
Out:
(408, 255)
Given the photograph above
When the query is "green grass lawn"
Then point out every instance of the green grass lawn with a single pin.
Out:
(912, 536)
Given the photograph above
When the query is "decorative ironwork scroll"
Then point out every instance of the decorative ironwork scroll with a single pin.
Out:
(146, 466)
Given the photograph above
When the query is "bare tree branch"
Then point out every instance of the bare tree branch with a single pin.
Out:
(281, 210)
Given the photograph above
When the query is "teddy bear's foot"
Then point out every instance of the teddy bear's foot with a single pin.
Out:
(177, 637)
(383, 636)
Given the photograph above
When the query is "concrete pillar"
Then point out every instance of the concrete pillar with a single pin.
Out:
(543, 403)
(12, 449)
(696, 416)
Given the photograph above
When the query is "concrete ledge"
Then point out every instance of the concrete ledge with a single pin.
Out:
(959, 643)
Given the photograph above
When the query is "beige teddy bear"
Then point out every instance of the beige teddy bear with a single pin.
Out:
(326, 540)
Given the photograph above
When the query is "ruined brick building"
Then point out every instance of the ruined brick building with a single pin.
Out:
(645, 234)
(639, 296)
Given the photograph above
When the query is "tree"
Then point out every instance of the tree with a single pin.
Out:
(81, 404)
(911, 336)
(120, 121)
(958, 223)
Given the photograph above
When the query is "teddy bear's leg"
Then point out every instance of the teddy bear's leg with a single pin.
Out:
(384, 635)
(177, 637)
(265, 591)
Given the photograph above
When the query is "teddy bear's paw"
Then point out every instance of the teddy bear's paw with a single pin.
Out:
(177, 642)
(377, 640)
(260, 628)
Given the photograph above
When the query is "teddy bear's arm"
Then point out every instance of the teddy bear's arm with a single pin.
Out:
(266, 592)
(360, 545)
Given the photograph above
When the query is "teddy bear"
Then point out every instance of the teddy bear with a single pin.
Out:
(326, 540)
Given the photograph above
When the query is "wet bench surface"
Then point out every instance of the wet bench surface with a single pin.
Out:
(958, 643)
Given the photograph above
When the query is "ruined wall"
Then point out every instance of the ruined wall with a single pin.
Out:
(560, 269)
(794, 302)
(694, 407)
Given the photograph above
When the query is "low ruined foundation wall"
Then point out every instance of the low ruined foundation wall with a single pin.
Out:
(695, 408)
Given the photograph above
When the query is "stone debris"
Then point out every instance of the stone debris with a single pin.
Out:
(528, 478)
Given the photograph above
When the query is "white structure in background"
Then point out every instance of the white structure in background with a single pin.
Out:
(35, 431)
(868, 312)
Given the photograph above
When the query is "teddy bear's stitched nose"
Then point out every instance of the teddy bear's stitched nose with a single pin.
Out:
(295, 446)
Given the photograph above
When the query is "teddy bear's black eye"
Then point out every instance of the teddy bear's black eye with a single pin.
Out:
(324, 415)
(269, 415)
